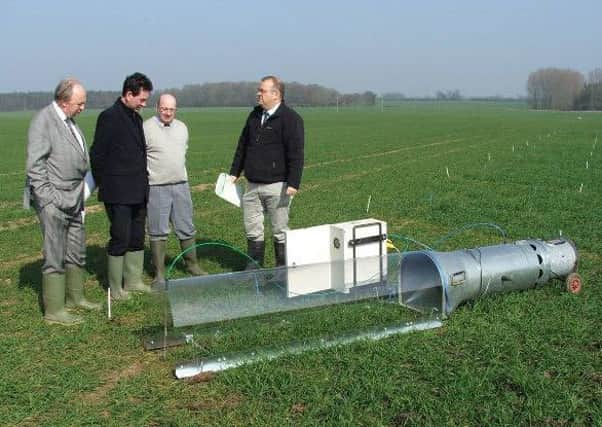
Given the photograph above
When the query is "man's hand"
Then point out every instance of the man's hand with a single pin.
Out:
(290, 191)
(233, 178)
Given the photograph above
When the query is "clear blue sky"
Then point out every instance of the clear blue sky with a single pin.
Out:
(414, 47)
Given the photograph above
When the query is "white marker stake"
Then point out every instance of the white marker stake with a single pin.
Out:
(488, 156)
(581, 188)
(560, 232)
(513, 148)
(369, 200)
(447, 171)
(587, 164)
(109, 303)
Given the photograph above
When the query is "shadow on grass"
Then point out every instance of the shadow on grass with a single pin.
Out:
(96, 264)
(214, 251)
(211, 253)
(30, 274)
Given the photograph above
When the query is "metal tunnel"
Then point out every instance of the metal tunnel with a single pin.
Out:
(450, 278)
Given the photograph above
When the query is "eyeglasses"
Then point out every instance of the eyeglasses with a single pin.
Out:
(260, 90)
(167, 110)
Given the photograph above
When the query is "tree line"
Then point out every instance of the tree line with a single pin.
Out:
(222, 94)
(547, 88)
(564, 89)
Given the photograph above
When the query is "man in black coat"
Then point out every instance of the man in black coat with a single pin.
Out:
(118, 159)
(270, 151)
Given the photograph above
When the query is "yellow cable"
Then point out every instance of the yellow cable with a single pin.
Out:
(390, 245)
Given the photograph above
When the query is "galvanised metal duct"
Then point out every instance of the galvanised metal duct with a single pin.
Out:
(433, 283)
(450, 278)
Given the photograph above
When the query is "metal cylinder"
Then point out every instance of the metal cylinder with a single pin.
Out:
(450, 278)
(232, 360)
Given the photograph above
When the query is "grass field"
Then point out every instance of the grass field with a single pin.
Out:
(525, 358)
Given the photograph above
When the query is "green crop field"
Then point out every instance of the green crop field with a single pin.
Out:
(431, 171)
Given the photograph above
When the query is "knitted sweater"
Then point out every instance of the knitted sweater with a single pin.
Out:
(166, 148)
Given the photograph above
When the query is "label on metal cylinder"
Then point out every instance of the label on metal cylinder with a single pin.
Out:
(458, 278)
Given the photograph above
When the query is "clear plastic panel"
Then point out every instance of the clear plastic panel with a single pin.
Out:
(206, 299)
(289, 307)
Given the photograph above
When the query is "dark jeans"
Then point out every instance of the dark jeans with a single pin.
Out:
(127, 228)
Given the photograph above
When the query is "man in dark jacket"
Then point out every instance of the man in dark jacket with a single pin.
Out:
(270, 152)
(118, 159)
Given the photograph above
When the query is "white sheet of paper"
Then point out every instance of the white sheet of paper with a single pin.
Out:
(228, 190)
(89, 185)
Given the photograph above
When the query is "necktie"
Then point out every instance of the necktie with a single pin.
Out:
(70, 124)
(265, 117)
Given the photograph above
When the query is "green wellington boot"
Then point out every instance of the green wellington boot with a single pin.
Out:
(75, 289)
(133, 263)
(192, 263)
(53, 297)
(115, 264)
(158, 255)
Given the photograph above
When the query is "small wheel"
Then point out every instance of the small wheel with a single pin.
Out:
(574, 283)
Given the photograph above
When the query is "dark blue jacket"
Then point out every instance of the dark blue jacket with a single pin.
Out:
(272, 152)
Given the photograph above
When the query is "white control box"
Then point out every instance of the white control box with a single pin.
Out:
(336, 256)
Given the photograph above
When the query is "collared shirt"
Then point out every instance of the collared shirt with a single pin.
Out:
(161, 124)
(271, 111)
(71, 128)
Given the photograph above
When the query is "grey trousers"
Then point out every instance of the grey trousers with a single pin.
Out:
(170, 204)
(64, 239)
(265, 198)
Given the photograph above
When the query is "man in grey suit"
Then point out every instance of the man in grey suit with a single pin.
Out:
(57, 162)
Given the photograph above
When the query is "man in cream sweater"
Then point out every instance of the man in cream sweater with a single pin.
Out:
(169, 198)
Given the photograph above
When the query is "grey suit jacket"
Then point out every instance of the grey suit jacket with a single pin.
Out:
(56, 163)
